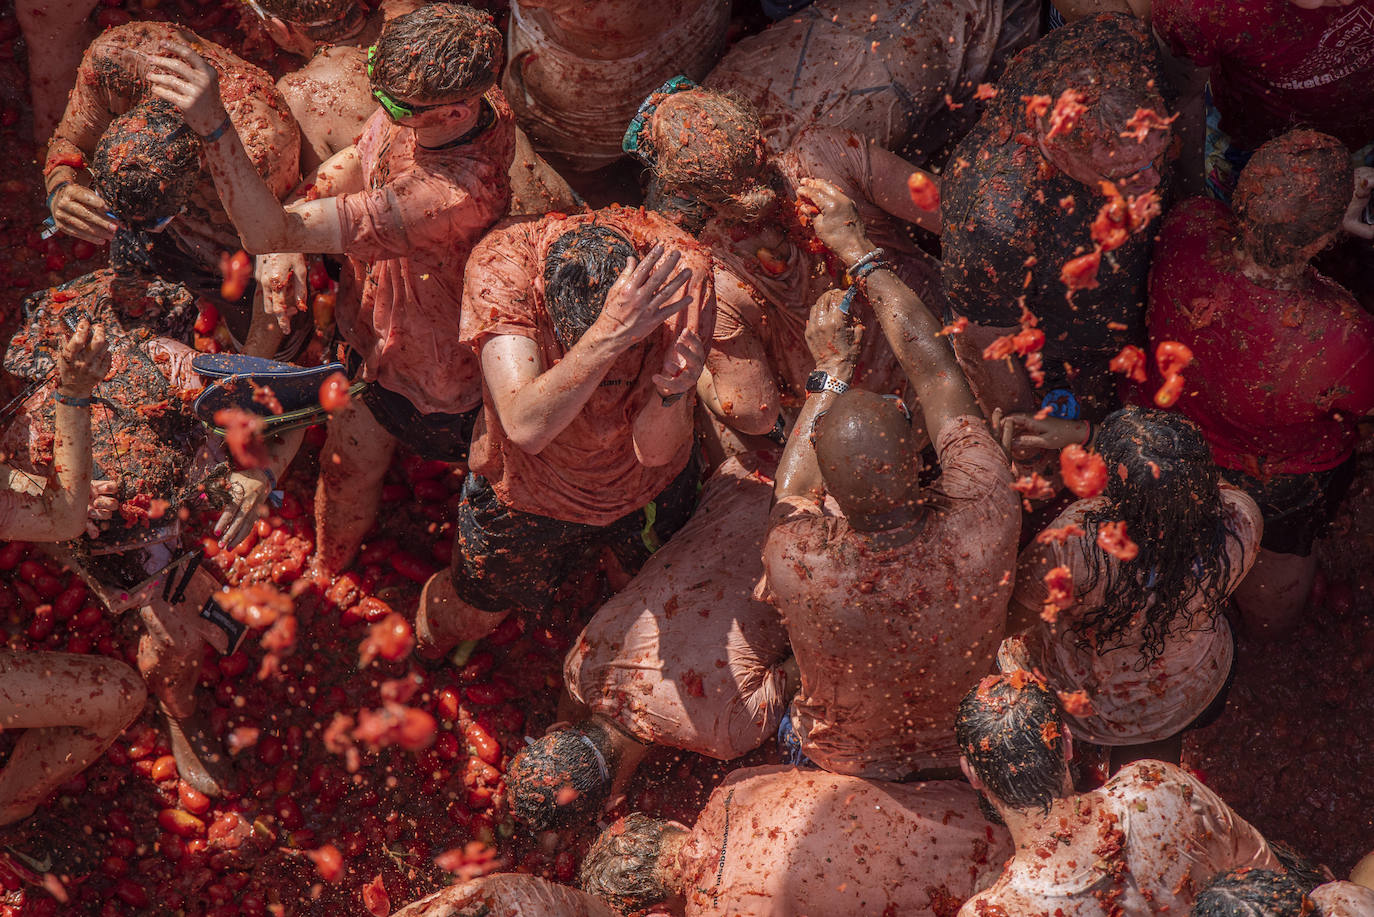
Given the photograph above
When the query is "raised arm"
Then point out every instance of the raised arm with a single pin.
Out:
(536, 403)
(59, 512)
(911, 330)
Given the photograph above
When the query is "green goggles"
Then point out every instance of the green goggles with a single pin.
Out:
(397, 110)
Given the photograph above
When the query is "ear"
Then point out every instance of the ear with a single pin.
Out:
(968, 773)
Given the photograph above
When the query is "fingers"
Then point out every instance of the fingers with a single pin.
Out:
(662, 270)
(78, 211)
(646, 267)
(173, 65)
(673, 308)
(104, 488)
(667, 292)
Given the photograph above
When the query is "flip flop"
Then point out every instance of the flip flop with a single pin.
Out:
(237, 378)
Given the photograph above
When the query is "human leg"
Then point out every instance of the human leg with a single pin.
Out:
(71, 708)
(357, 452)
(1274, 593)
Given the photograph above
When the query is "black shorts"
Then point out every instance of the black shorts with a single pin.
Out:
(505, 559)
(440, 437)
(1297, 507)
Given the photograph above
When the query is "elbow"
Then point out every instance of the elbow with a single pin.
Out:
(528, 438)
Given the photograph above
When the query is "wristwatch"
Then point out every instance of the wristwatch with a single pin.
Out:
(822, 381)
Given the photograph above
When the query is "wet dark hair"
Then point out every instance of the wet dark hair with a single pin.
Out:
(1011, 732)
(556, 781)
(579, 270)
(321, 20)
(1294, 190)
(1162, 483)
(621, 868)
(1252, 893)
(147, 162)
(442, 52)
(1302, 870)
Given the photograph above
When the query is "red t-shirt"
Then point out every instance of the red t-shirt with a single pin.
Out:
(1276, 66)
(1280, 378)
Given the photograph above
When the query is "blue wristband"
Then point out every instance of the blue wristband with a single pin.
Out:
(217, 132)
(72, 402)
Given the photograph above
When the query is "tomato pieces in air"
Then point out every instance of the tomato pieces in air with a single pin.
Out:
(1083, 472)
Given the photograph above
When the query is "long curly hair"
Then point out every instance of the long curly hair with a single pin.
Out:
(1162, 483)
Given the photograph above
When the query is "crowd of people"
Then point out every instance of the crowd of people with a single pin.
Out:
(966, 376)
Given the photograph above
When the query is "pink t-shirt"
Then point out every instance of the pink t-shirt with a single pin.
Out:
(1276, 66)
(684, 655)
(888, 640)
(507, 895)
(590, 472)
(775, 841)
(1142, 844)
(408, 237)
(1344, 899)
(1131, 704)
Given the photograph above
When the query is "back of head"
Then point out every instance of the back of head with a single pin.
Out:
(1252, 893)
(442, 52)
(706, 145)
(579, 270)
(1294, 191)
(1162, 483)
(147, 163)
(561, 779)
(1011, 732)
(321, 20)
(867, 454)
(622, 866)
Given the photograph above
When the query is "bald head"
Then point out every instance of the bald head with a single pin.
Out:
(868, 454)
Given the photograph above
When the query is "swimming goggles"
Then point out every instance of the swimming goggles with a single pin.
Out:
(634, 142)
(397, 110)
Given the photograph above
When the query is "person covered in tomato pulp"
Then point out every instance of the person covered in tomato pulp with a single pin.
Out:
(774, 840)
(590, 329)
(1145, 842)
(1282, 357)
(859, 547)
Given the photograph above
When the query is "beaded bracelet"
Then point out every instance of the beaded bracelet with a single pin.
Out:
(858, 271)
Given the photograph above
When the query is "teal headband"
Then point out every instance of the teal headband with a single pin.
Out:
(635, 142)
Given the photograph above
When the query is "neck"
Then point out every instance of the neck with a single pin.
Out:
(1287, 277)
(1026, 826)
(670, 865)
(450, 130)
(625, 752)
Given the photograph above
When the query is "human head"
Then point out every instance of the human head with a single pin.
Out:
(706, 147)
(1162, 483)
(300, 26)
(1102, 145)
(441, 55)
(1291, 197)
(868, 454)
(146, 164)
(1249, 892)
(579, 270)
(1011, 734)
(563, 778)
(629, 865)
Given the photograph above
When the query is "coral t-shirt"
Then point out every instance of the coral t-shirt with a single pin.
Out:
(112, 79)
(1344, 899)
(408, 237)
(1131, 703)
(889, 639)
(1279, 378)
(1144, 843)
(685, 656)
(776, 841)
(508, 895)
(1277, 66)
(589, 473)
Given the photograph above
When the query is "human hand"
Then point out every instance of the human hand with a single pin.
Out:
(682, 366)
(83, 361)
(835, 219)
(182, 77)
(81, 212)
(1024, 433)
(102, 505)
(282, 279)
(642, 297)
(247, 490)
(1354, 222)
(831, 338)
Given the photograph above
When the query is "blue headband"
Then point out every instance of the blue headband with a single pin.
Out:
(634, 141)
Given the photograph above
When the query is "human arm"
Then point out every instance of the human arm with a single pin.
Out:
(738, 384)
(249, 488)
(1354, 222)
(182, 77)
(834, 343)
(888, 188)
(535, 404)
(664, 424)
(911, 330)
(60, 512)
